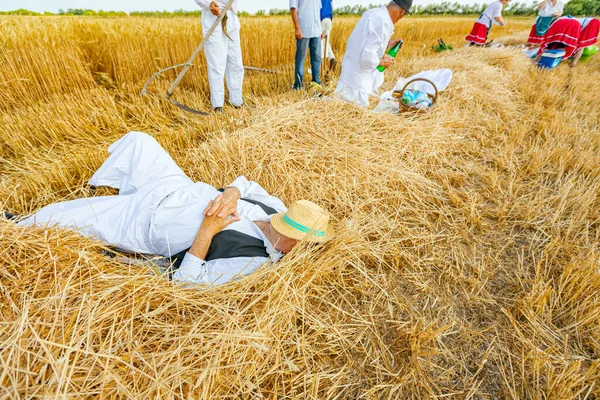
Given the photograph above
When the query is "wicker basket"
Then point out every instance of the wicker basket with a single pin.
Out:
(398, 94)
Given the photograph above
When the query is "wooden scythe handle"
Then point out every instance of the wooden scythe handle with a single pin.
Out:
(188, 64)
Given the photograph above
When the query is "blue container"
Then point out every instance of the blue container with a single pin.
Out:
(551, 58)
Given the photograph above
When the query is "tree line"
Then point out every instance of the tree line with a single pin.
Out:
(573, 7)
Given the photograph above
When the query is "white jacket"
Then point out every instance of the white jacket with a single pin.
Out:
(366, 46)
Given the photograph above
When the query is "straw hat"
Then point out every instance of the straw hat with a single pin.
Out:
(304, 220)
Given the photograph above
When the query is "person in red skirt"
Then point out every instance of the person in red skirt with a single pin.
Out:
(572, 35)
(589, 36)
(481, 28)
(564, 34)
(549, 10)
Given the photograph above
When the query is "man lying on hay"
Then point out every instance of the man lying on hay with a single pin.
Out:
(211, 236)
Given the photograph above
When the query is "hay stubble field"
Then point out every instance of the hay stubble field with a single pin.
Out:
(467, 261)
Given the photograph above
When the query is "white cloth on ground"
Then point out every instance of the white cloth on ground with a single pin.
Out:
(490, 13)
(309, 16)
(549, 10)
(365, 48)
(223, 56)
(158, 209)
(326, 25)
(530, 53)
(440, 77)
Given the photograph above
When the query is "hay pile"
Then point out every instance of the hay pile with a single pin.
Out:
(466, 264)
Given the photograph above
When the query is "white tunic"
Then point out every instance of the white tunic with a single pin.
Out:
(309, 16)
(584, 21)
(223, 55)
(366, 46)
(205, 4)
(158, 209)
(492, 11)
(549, 10)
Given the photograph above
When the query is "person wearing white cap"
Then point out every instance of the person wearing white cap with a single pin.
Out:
(223, 53)
(366, 49)
(212, 237)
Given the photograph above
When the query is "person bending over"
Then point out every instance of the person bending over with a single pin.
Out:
(366, 49)
(481, 29)
(212, 236)
(571, 34)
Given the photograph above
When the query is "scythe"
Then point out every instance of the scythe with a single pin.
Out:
(186, 66)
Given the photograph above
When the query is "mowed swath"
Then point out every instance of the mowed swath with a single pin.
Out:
(466, 264)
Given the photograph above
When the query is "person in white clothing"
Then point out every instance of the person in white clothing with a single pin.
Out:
(366, 49)
(306, 15)
(212, 236)
(549, 10)
(326, 26)
(223, 54)
(481, 28)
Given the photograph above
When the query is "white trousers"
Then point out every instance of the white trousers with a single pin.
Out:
(145, 175)
(351, 95)
(224, 59)
(326, 26)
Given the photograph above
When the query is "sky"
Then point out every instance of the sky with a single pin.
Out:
(169, 5)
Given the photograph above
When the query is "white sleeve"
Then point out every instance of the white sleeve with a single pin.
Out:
(216, 272)
(243, 184)
(253, 191)
(225, 270)
(293, 4)
(192, 269)
(497, 10)
(204, 4)
(560, 7)
(369, 57)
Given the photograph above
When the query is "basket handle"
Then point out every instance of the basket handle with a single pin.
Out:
(435, 96)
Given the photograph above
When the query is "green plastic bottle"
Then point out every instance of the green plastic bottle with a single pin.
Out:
(393, 52)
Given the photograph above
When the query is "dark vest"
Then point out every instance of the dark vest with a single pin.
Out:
(232, 244)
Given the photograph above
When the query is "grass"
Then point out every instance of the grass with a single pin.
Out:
(466, 265)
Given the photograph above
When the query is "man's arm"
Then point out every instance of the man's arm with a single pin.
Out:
(211, 225)
(294, 12)
(209, 5)
(369, 58)
(253, 191)
(498, 15)
(223, 203)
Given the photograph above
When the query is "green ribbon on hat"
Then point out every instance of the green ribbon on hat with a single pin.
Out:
(301, 227)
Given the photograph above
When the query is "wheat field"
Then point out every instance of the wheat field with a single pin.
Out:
(467, 262)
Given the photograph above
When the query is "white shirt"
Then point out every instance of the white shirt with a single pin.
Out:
(365, 48)
(492, 11)
(205, 4)
(309, 16)
(219, 271)
(584, 21)
(549, 10)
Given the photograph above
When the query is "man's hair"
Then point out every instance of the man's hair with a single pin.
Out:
(395, 6)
